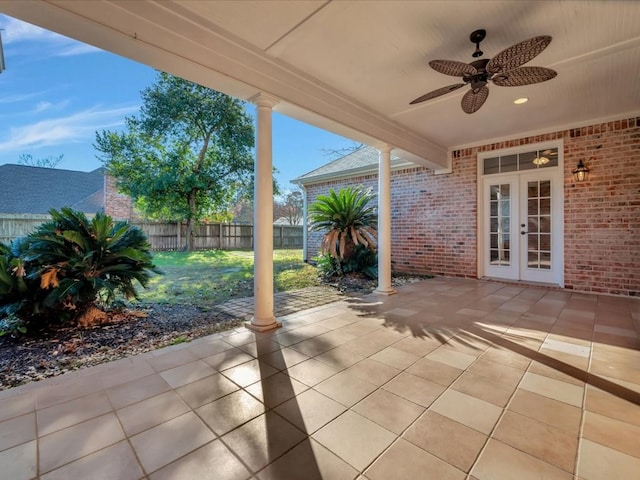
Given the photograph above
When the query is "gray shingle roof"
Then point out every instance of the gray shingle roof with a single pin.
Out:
(25, 189)
(361, 161)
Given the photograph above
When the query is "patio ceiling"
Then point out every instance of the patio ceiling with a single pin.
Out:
(353, 67)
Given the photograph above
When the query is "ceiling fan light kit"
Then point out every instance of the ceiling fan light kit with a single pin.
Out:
(503, 70)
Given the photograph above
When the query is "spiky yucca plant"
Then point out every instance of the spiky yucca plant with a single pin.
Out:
(79, 263)
(349, 218)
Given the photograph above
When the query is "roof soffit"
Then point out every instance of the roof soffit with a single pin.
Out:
(352, 67)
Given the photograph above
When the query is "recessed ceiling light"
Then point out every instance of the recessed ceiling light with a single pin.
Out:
(519, 101)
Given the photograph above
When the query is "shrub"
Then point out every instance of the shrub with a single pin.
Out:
(362, 260)
(328, 266)
(20, 295)
(70, 266)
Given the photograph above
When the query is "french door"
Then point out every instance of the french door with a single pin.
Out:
(522, 226)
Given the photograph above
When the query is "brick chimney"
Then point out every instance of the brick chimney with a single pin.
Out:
(117, 205)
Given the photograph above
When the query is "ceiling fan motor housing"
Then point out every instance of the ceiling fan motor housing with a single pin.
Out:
(481, 78)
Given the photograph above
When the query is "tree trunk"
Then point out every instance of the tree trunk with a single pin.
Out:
(189, 235)
(349, 247)
(191, 221)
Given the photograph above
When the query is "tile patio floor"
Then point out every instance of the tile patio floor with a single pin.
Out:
(447, 379)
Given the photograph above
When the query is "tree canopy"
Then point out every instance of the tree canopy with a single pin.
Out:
(185, 156)
(290, 207)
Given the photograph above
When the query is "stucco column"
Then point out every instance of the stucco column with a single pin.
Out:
(384, 222)
(263, 317)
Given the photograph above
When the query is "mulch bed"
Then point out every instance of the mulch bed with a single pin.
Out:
(147, 327)
(63, 349)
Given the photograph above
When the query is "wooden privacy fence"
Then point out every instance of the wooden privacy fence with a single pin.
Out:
(18, 225)
(209, 236)
(170, 236)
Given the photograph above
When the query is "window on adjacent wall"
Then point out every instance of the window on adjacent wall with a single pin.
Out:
(521, 161)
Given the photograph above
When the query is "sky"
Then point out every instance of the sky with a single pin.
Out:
(56, 93)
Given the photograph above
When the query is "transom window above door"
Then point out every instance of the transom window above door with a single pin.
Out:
(516, 162)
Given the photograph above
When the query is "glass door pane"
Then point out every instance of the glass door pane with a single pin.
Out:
(500, 224)
(539, 224)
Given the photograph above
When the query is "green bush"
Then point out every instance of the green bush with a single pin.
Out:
(70, 266)
(363, 260)
(20, 295)
(12, 325)
(328, 266)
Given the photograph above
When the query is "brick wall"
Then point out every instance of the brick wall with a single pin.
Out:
(117, 205)
(434, 216)
(602, 215)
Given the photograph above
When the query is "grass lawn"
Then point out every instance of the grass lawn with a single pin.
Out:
(214, 276)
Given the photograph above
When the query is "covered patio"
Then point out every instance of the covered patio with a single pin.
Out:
(447, 379)
(450, 378)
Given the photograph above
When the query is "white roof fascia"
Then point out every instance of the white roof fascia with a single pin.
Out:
(353, 172)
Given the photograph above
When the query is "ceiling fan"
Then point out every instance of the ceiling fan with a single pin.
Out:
(504, 70)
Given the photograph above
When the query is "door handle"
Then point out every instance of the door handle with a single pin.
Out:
(522, 232)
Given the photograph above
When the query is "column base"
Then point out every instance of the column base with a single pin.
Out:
(384, 291)
(262, 327)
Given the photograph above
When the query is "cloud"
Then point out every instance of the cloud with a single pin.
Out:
(18, 32)
(48, 106)
(42, 106)
(18, 97)
(76, 48)
(78, 127)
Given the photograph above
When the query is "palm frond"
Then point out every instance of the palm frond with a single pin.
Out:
(69, 263)
(344, 216)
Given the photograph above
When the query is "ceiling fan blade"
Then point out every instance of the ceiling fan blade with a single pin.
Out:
(437, 93)
(474, 99)
(518, 54)
(453, 68)
(523, 76)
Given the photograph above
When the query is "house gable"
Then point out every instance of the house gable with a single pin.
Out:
(36, 190)
(360, 162)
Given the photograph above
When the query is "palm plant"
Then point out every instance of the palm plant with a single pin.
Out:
(76, 264)
(17, 292)
(348, 218)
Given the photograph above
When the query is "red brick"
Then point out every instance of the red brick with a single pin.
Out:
(434, 216)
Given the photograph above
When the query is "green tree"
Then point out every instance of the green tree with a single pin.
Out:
(290, 207)
(185, 155)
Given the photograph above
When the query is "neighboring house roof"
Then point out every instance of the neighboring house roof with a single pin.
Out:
(25, 189)
(285, 221)
(361, 162)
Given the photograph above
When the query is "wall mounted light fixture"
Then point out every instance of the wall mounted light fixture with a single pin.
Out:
(581, 173)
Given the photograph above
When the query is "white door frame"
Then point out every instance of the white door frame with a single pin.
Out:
(557, 207)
